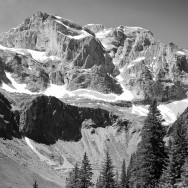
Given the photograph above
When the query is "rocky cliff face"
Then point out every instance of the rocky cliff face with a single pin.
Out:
(80, 62)
(92, 56)
(47, 119)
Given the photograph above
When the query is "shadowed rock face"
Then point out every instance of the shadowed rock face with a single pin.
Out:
(47, 119)
(8, 123)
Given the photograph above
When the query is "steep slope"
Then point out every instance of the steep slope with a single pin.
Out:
(13, 174)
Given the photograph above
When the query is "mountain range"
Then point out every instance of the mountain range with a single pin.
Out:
(67, 89)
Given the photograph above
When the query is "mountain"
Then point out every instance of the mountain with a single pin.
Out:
(67, 89)
(48, 49)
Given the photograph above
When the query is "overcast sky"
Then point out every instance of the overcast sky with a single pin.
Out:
(167, 19)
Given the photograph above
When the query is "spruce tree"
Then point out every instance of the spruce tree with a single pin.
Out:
(123, 178)
(86, 173)
(73, 181)
(107, 172)
(151, 155)
(184, 174)
(180, 146)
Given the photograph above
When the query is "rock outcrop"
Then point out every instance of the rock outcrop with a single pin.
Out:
(47, 119)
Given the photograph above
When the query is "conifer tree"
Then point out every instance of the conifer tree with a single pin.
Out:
(107, 172)
(86, 173)
(123, 178)
(73, 181)
(180, 146)
(151, 155)
(184, 175)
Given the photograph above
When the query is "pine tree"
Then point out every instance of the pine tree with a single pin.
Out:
(35, 185)
(151, 155)
(123, 178)
(107, 174)
(73, 181)
(86, 173)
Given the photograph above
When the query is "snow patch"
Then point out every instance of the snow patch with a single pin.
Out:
(102, 34)
(62, 24)
(180, 52)
(58, 91)
(139, 59)
(139, 110)
(42, 157)
(15, 87)
(41, 56)
(169, 111)
(58, 17)
(16, 50)
(94, 95)
(37, 55)
(133, 29)
(66, 166)
(127, 94)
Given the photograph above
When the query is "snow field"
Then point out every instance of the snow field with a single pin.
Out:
(180, 52)
(37, 55)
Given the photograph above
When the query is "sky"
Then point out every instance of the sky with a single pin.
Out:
(167, 19)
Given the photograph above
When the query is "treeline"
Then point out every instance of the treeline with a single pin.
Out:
(161, 160)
